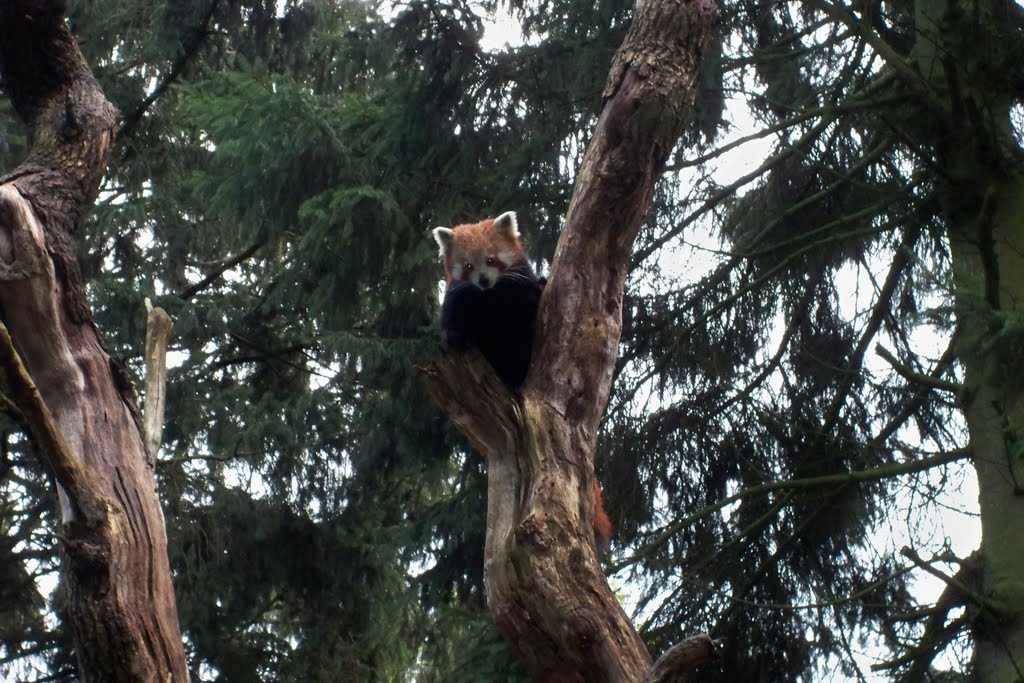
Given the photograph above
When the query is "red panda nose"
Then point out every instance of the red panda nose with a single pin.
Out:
(485, 281)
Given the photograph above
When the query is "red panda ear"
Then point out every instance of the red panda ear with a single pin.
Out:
(506, 224)
(445, 238)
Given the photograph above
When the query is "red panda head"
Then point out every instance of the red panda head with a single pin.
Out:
(479, 253)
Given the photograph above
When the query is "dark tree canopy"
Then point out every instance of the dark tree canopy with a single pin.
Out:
(815, 354)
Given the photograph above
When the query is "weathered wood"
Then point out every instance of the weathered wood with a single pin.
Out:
(545, 588)
(119, 603)
(158, 335)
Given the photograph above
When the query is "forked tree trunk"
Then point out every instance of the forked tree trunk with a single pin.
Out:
(545, 587)
(119, 601)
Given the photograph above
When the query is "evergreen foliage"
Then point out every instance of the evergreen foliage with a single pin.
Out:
(279, 167)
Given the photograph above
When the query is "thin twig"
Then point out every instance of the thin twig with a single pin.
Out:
(221, 268)
(954, 581)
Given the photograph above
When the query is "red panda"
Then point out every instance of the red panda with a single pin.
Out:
(490, 302)
(492, 294)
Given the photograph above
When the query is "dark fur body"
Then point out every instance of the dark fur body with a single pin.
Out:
(500, 320)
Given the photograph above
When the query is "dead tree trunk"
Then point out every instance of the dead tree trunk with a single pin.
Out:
(81, 408)
(545, 588)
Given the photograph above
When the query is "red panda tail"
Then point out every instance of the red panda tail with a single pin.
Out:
(602, 522)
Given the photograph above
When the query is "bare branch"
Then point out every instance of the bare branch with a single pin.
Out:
(937, 632)
(917, 377)
(474, 399)
(158, 334)
(904, 70)
(958, 582)
(222, 267)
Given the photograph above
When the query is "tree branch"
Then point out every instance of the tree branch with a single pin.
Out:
(937, 633)
(222, 267)
(900, 262)
(958, 582)
(189, 47)
(903, 69)
(158, 334)
(918, 378)
(491, 419)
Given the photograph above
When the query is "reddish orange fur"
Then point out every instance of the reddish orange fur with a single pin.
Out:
(480, 237)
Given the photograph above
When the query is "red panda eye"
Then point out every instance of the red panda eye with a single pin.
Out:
(469, 267)
(491, 260)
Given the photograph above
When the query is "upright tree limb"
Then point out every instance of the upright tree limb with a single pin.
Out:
(545, 588)
(120, 604)
(158, 335)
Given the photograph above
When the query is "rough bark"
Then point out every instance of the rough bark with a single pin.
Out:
(119, 603)
(545, 587)
(677, 661)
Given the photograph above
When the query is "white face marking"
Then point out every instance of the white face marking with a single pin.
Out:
(485, 276)
(477, 271)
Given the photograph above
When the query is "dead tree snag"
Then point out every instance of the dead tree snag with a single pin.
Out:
(81, 409)
(545, 588)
